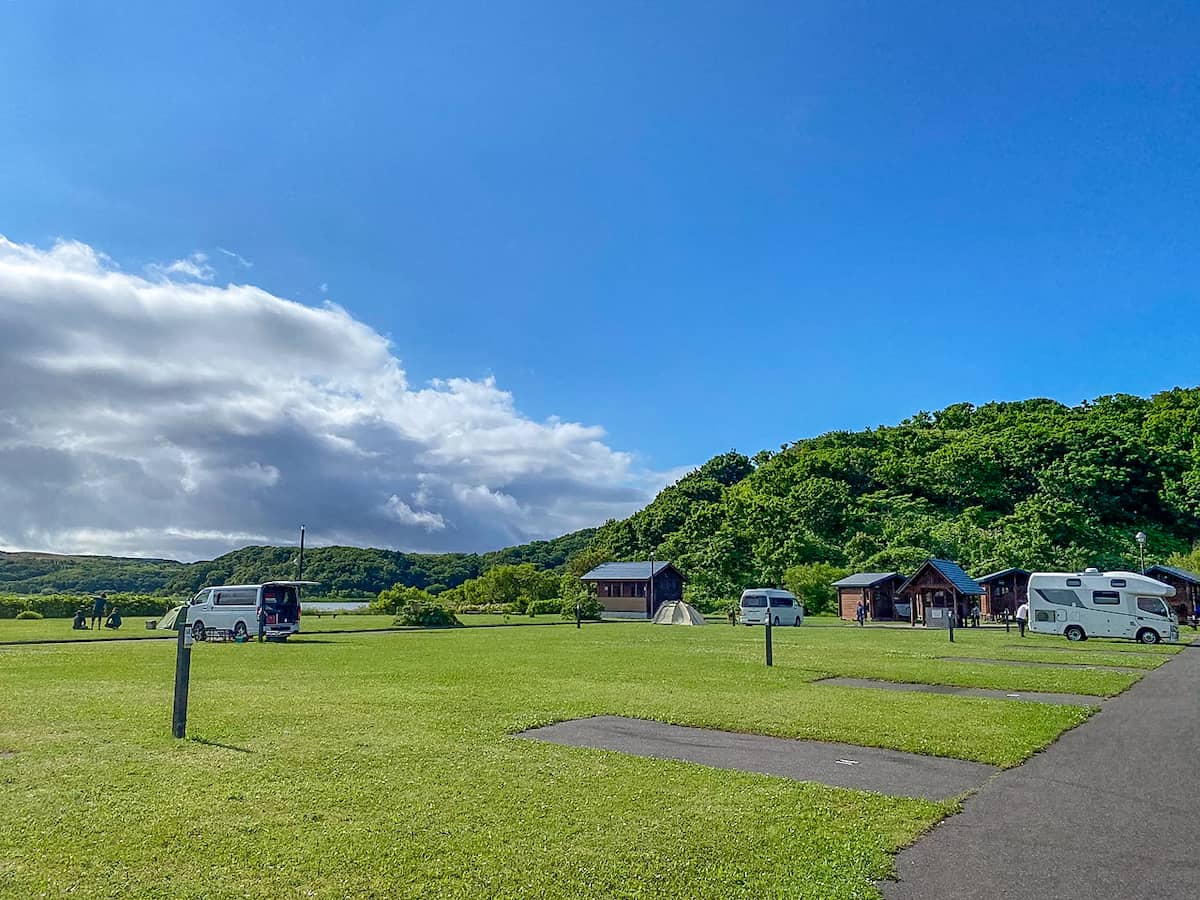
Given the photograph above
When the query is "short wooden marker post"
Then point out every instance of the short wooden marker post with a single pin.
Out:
(183, 672)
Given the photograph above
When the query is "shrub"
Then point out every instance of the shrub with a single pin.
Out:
(29, 614)
(545, 607)
(426, 614)
(397, 597)
(590, 607)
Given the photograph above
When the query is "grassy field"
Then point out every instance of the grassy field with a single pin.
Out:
(381, 764)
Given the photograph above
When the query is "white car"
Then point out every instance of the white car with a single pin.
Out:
(782, 606)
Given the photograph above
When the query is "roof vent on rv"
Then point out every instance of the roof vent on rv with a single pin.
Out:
(1091, 570)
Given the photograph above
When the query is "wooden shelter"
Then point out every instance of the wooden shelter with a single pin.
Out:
(624, 588)
(938, 590)
(1003, 592)
(1187, 588)
(877, 590)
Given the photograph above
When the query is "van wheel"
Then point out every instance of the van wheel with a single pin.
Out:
(198, 631)
(1074, 633)
(796, 621)
(1147, 636)
(775, 621)
(239, 630)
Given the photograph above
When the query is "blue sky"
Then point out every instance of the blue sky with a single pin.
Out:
(697, 225)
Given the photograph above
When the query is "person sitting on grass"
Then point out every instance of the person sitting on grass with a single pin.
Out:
(79, 623)
(114, 620)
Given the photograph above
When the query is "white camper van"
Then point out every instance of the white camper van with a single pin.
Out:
(1091, 603)
(782, 606)
(236, 608)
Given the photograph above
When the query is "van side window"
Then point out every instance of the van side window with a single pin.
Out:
(1074, 582)
(781, 601)
(1106, 598)
(1151, 605)
(199, 598)
(1059, 597)
(1117, 582)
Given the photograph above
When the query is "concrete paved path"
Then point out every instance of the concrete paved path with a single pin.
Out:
(839, 765)
(1109, 812)
(1032, 696)
(1041, 665)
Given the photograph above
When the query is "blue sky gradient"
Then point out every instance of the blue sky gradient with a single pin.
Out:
(699, 225)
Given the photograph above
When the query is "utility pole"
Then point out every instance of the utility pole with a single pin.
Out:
(183, 672)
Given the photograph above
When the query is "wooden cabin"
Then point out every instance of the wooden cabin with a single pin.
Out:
(877, 590)
(624, 588)
(937, 590)
(1187, 588)
(1003, 592)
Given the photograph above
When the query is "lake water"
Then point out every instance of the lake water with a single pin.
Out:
(334, 606)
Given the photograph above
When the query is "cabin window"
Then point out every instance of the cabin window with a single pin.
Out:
(1117, 582)
(1106, 598)
(1074, 582)
(1060, 597)
(1152, 605)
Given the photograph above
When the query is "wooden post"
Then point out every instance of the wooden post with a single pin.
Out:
(183, 672)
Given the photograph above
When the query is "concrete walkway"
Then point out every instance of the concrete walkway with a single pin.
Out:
(989, 693)
(839, 765)
(1109, 812)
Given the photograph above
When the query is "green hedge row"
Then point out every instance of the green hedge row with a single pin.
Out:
(64, 606)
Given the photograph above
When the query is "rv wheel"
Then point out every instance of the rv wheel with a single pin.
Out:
(1148, 636)
(1074, 633)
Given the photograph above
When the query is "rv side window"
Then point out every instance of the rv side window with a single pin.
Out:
(1152, 605)
(1074, 582)
(1117, 582)
(781, 601)
(1106, 598)
(1060, 597)
(1043, 615)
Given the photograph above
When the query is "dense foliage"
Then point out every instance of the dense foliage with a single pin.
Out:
(63, 606)
(1034, 484)
(342, 571)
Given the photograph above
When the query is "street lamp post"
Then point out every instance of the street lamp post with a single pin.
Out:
(1140, 537)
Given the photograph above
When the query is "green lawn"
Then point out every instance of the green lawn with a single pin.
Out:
(381, 764)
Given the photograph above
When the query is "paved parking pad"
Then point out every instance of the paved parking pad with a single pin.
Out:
(1043, 665)
(838, 765)
(1031, 696)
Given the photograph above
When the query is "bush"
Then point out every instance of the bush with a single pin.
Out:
(426, 614)
(545, 607)
(497, 609)
(29, 614)
(590, 607)
(64, 606)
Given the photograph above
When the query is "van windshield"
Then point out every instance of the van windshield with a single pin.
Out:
(754, 601)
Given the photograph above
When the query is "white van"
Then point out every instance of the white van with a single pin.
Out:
(1091, 603)
(784, 608)
(236, 608)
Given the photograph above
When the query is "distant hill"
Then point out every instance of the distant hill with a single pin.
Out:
(1035, 484)
(342, 571)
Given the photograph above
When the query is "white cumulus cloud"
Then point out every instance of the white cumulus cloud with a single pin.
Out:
(194, 265)
(158, 416)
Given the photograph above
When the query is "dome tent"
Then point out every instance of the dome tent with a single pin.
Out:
(676, 612)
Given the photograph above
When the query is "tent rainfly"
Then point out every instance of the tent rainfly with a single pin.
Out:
(676, 612)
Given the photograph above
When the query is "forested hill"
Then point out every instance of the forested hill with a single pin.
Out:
(342, 571)
(1034, 484)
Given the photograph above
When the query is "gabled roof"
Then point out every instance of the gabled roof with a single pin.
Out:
(1178, 573)
(625, 571)
(952, 572)
(984, 579)
(865, 579)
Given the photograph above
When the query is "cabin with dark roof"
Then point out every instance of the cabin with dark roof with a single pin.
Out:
(938, 590)
(1003, 592)
(624, 588)
(1187, 588)
(876, 590)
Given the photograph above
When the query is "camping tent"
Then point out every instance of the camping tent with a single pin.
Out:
(167, 622)
(676, 612)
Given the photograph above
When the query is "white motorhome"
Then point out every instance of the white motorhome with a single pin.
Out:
(237, 607)
(1091, 603)
(783, 607)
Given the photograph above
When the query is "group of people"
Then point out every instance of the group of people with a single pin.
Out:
(102, 613)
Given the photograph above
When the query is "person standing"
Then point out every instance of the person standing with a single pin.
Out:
(975, 614)
(1022, 617)
(98, 603)
(860, 613)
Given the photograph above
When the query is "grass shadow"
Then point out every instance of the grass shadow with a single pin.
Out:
(207, 743)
